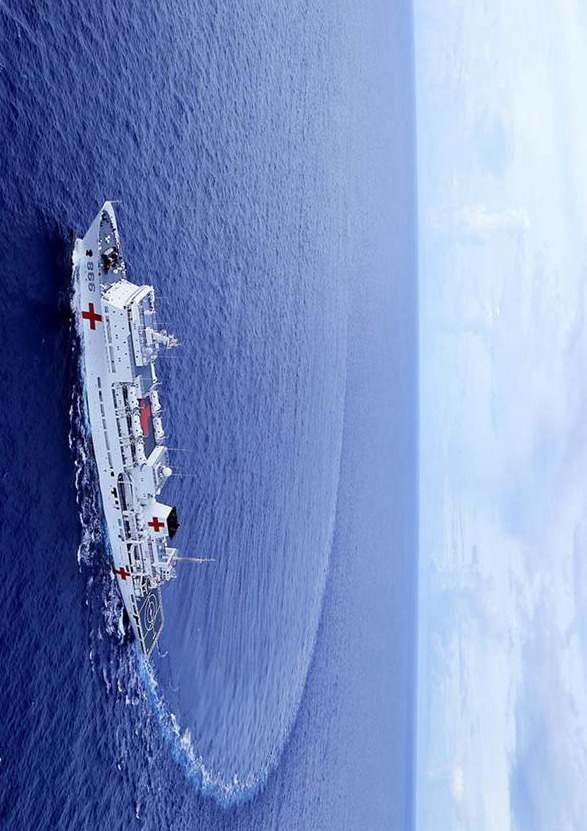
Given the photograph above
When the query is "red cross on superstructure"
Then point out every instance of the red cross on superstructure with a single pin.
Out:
(156, 523)
(145, 414)
(92, 316)
(122, 572)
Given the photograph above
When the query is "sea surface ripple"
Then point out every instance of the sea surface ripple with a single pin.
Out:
(263, 159)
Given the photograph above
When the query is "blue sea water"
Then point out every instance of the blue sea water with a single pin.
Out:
(264, 156)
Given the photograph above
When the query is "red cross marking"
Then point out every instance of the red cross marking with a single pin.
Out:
(156, 523)
(145, 415)
(92, 316)
(122, 572)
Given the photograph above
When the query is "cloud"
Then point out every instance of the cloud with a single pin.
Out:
(478, 220)
(547, 778)
(457, 785)
(504, 437)
(493, 143)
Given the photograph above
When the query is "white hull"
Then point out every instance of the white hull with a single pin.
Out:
(124, 498)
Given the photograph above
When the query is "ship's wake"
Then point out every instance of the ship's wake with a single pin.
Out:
(115, 659)
(144, 722)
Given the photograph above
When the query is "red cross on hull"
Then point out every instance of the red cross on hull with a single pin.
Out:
(122, 572)
(156, 524)
(91, 315)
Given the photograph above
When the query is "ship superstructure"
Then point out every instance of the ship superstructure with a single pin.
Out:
(120, 342)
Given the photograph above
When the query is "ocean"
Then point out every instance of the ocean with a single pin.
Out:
(264, 159)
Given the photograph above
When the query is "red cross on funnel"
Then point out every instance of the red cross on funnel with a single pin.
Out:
(156, 523)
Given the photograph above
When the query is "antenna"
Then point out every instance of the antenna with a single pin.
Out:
(163, 338)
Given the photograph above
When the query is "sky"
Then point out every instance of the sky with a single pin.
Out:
(502, 167)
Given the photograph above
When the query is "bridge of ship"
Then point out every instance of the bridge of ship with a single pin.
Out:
(111, 262)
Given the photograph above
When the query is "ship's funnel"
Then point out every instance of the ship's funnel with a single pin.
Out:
(161, 520)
